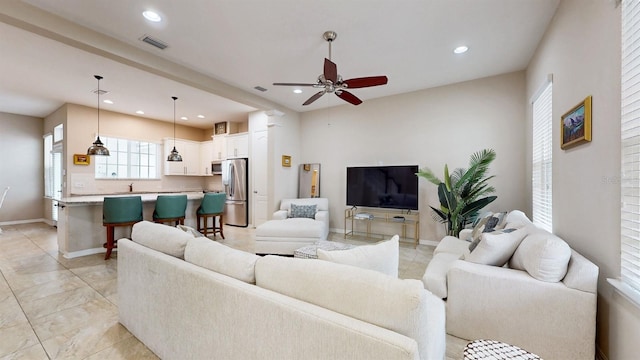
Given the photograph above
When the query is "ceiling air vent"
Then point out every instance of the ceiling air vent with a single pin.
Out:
(155, 42)
(260, 88)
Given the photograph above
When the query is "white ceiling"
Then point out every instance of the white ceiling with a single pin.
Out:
(248, 43)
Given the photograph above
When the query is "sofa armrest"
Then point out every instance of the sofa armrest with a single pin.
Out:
(323, 216)
(465, 234)
(549, 319)
(280, 215)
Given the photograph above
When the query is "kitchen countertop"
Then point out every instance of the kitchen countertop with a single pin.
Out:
(146, 197)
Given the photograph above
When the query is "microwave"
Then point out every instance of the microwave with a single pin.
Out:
(216, 167)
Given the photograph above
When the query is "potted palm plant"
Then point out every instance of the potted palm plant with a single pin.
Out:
(462, 193)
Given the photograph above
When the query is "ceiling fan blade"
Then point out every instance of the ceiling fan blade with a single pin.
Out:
(349, 97)
(330, 70)
(292, 84)
(314, 97)
(365, 82)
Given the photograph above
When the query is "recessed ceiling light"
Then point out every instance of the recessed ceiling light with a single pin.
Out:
(297, 91)
(461, 49)
(200, 116)
(140, 112)
(184, 118)
(108, 102)
(151, 16)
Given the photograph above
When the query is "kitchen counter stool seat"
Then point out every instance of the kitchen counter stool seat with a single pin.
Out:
(170, 208)
(212, 206)
(119, 211)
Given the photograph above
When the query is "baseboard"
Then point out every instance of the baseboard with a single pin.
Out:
(28, 221)
(75, 254)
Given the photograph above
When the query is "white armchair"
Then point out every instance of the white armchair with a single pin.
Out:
(298, 222)
(523, 303)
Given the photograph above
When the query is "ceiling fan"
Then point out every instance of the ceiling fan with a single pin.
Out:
(331, 82)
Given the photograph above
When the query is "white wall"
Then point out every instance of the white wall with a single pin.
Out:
(21, 168)
(581, 48)
(428, 128)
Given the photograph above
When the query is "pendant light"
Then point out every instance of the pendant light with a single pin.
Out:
(174, 156)
(98, 148)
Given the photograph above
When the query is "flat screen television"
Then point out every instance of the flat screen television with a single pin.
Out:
(392, 187)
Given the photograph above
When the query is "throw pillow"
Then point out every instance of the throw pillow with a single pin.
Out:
(382, 256)
(220, 258)
(543, 255)
(160, 237)
(190, 230)
(496, 248)
(303, 211)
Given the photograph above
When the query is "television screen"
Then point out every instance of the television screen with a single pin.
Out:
(393, 187)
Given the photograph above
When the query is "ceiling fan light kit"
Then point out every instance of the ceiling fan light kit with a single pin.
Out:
(331, 82)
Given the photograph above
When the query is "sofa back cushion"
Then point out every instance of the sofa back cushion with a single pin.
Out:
(403, 306)
(167, 239)
(495, 248)
(543, 255)
(220, 258)
(383, 256)
(322, 204)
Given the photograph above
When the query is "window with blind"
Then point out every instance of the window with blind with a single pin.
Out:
(129, 159)
(630, 146)
(542, 158)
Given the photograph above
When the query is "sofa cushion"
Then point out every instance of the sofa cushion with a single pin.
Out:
(167, 239)
(516, 218)
(435, 276)
(303, 211)
(487, 222)
(543, 255)
(403, 306)
(220, 258)
(382, 256)
(496, 248)
(190, 230)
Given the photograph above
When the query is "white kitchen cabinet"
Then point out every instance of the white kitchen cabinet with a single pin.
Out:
(190, 152)
(238, 145)
(219, 147)
(206, 156)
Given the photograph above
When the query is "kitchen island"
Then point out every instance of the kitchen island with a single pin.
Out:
(80, 230)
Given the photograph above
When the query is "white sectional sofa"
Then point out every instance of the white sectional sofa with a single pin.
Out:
(193, 298)
(290, 230)
(537, 293)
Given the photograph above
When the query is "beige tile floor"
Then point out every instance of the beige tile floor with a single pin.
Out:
(56, 308)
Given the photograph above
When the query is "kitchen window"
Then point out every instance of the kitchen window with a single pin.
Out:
(129, 159)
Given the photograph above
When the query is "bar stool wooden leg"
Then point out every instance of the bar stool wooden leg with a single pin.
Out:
(110, 241)
(221, 222)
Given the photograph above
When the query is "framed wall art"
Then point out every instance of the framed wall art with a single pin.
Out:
(81, 159)
(575, 125)
(220, 128)
(286, 160)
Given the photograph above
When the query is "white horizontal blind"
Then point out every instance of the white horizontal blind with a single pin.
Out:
(630, 145)
(542, 159)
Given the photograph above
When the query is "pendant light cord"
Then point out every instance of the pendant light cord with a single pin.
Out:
(99, 78)
(174, 121)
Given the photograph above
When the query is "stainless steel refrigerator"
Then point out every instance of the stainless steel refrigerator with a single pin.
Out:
(236, 184)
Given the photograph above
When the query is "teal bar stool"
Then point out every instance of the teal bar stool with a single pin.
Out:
(119, 211)
(212, 206)
(170, 208)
